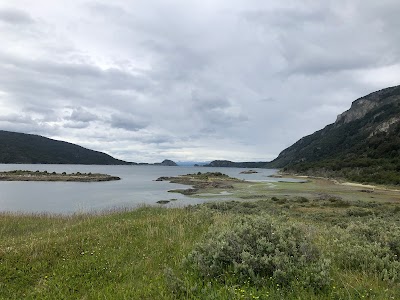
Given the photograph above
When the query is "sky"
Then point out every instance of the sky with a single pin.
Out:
(190, 80)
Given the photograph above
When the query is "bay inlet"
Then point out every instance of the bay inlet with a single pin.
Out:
(137, 187)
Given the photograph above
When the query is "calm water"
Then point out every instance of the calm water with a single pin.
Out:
(137, 187)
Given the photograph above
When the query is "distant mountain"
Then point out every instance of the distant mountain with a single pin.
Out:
(362, 145)
(167, 163)
(191, 163)
(231, 164)
(21, 148)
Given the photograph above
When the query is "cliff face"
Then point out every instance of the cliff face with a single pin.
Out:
(362, 106)
(357, 111)
(367, 136)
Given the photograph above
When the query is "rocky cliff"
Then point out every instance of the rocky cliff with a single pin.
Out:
(362, 106)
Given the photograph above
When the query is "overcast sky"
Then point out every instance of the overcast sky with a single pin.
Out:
(190, 80)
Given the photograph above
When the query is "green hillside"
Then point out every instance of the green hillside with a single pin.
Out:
(231, 164)
(362, 145)
(24, 148)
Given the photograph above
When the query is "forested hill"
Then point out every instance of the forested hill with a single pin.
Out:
(362, 145)
(231, 164)
(34, 149)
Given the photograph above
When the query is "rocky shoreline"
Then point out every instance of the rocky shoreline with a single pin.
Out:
(21, 175)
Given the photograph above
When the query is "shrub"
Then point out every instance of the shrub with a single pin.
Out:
(302, 200)
(279, 200)
(359, 212)
(338, 202)
(262, 250)
(372, 247)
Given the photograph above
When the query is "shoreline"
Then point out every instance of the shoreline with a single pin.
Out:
(338, 181)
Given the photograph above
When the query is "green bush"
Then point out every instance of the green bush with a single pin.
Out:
(372, 247)
(337, 202)
(359, 212)
(301, 200)
(263, 251)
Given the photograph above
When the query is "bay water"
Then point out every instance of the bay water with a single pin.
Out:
(136, 187)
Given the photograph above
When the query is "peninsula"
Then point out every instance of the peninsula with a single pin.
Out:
(21, 175)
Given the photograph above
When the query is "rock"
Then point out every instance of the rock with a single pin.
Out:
(163, 201)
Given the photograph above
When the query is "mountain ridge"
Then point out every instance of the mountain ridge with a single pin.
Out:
(23, 148)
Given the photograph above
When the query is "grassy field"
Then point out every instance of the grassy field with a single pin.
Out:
(120, 255)
(314, 240)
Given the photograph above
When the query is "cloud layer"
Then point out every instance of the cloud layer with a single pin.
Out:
(190, 80)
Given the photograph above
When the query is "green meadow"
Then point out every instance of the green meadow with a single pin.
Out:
(313, 240)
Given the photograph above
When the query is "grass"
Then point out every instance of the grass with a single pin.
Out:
(145, 253)
(121, 255)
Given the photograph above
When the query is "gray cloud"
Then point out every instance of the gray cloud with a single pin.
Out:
(76, 125)
(239, 80)
(15, 16)
(17, 118)
(127, 121)
(82, 115)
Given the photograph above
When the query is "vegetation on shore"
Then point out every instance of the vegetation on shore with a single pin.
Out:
(341, 244)
(23, 175)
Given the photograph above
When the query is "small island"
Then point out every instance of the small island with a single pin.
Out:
(23, 175)
(166, 163)
(249, 172)
(201, 182)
